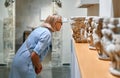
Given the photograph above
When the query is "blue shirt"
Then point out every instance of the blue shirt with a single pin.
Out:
(38, 41)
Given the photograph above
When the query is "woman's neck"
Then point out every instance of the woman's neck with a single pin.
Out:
(47, 25)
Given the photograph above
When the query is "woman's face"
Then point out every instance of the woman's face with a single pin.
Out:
(58, 25)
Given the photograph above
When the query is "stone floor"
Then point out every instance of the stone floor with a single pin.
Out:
(56, 72)
(53, 72)
(48, 70)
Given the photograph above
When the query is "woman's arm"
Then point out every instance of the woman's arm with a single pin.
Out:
(36, 62)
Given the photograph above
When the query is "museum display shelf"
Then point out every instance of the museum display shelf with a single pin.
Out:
(89, 64)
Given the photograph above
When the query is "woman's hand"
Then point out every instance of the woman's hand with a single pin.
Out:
(36, 62)
(38, 69)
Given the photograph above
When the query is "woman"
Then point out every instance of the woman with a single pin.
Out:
(27, 61)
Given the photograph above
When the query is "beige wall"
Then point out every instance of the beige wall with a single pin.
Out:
(93, 10)
(116, 9)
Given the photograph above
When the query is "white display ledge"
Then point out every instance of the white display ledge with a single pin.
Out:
(75, 70)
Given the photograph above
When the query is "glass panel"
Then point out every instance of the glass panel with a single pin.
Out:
(8, 38)
(7, 33)
(1, 42)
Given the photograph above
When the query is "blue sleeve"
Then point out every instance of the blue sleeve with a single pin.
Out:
(42, 44)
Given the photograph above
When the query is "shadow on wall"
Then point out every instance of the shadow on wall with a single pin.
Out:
(17, 45)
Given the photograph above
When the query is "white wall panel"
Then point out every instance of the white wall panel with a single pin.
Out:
(106, 8)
